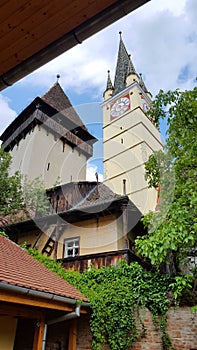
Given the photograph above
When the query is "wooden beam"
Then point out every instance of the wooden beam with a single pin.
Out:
(35, 301)
(38, 335)
(19, 311)
(72, 341)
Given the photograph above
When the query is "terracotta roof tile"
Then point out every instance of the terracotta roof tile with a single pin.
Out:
(20, 269)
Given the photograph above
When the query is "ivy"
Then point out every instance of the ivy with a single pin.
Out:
(118, 295)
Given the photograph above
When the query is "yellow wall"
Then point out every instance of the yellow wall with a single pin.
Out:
(96, 235)
(7, 332)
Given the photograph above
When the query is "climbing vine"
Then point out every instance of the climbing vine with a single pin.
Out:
(118, 295)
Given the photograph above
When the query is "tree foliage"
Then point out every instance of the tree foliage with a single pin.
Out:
(172, 230)
(11, 194)
(20, 198)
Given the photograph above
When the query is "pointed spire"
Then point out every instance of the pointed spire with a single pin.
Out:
(56, 98)
(141, 83)
(109, 83)
(123, 65)
(131, 69)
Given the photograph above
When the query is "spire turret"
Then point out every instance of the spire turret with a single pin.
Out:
(141, 83)
(130, 69)
(109, 83)
(124, 67)
(109, 87)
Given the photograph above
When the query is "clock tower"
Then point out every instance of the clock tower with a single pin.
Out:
(129, 135)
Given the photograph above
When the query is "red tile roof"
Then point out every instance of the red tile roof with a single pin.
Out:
(20, 269)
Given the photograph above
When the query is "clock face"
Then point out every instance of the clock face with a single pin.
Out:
(120, 106)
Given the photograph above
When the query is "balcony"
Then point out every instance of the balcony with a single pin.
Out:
(84, 262)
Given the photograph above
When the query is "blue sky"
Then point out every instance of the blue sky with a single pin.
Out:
(162, 39)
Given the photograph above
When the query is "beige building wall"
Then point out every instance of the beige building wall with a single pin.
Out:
(129, 140)
(40, 155)
(7, 332)
(95, 235)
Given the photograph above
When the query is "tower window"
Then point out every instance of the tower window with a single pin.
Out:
(121, 140)
(48, 166)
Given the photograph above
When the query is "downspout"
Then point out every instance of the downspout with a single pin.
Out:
(66, 317)
(44, 337)
(124, 223)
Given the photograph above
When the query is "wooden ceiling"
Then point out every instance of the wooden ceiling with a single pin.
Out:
(32, 32)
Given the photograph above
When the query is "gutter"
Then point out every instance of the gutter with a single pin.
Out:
(36, 293)
(48, 296)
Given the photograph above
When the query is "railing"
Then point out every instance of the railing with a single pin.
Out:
(84, 262)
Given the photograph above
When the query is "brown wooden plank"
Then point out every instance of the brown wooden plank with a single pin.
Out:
(19, 311)
(10, 7)
(25, 23)
(36, 333)
(72, 341)
(32, 301)
(40, 334)
(56, 26)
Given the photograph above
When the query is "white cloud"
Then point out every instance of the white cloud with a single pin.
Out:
(91, 171)
(7, 114)
(161, 36)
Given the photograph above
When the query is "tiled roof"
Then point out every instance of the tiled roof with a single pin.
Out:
(99, 195)
(20, 269)
(57, 99)
(123, 67)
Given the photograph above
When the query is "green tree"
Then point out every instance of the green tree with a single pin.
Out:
(20, 198)
(172, 230)
(11, 193)
(35, 200)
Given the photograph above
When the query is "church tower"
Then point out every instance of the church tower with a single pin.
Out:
(130, 137)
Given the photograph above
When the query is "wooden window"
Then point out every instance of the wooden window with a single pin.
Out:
(71, 247)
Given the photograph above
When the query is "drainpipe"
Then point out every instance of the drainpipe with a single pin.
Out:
(44, 337)
(66, 317)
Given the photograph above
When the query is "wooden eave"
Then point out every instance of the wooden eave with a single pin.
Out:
(34, 32)
(38, 302)
(70, 216)
(39, 112)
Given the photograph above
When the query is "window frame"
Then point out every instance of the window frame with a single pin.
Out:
(66, 248)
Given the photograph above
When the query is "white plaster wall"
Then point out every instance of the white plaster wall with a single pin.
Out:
(40, 155)
(129, 140)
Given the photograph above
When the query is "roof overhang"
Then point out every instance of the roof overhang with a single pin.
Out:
(35, 298)
(33, 33)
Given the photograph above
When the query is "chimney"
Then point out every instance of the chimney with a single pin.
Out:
(124, 187)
